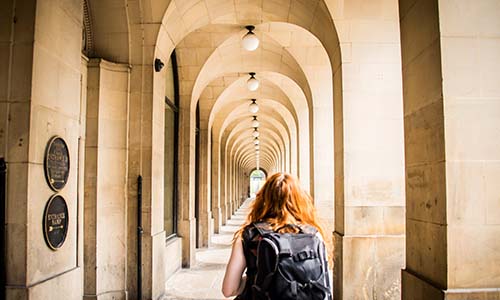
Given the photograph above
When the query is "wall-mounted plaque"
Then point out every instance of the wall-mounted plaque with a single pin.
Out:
(56, 163)
(55, 222)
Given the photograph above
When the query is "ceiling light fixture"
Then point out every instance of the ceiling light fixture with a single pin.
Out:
(255, 122)
(250, 41)
(256, 141)
(253, 108)
(252, 82)
(255, 133)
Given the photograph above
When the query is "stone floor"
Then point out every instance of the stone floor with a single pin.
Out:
(204, 280)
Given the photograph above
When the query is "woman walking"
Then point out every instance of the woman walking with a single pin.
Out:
(281, 247)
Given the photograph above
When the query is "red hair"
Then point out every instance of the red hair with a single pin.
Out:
(279, 202)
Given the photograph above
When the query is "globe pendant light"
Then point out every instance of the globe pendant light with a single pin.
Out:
(250, 42)
(255, 133)
(256, 141)
(252, 83)
(257, 147)
(253, 108)
(255, 123)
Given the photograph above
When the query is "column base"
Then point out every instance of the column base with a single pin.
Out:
(68, 286)
(205, 229)
(118, 295)
(223, 219)
(415, 287)
(217, 216)
(187, 231)
(368, 266)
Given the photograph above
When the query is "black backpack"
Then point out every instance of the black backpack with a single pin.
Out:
(291, 265)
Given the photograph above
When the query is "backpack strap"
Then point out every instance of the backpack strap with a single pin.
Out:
(321, 287)
(262, 227)
(306, 228)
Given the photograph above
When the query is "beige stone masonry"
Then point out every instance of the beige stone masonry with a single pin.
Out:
(40, 98)
(106, 180)
(369, 153)
(451, 149)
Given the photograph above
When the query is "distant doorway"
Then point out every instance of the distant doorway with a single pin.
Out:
(257, 180)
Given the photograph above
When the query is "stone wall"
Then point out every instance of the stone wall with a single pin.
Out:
(41, 98)
(106, 180)
(451, 106)
(370, 208)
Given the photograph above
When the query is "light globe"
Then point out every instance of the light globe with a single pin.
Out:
(250, 41)
(255, 123)
(252, 83)
(253, 107)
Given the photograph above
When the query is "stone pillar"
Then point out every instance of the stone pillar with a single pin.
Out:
(242, 188)
(106, 180)
(223, 187)
(205, 214)
(451, 66)
(146, 154)
(238, 187)
(40, 97)
(323, 193)
(217, 205)
(236, 182)
(186, 207)
(232, 184)
(369, 154)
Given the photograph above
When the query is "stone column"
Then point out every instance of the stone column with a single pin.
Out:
(242, 188)
(217, 205)
(451, 64)
(231, 181)
(205, 214)
(186, 207)
(369, 153)
(40, 97)
(223, 187)
(232, 178)
(106, 180)
(227, 182)
(238, 189)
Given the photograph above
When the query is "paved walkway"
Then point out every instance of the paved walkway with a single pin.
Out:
(204, 280)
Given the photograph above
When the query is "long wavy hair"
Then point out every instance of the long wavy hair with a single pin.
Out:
(280, 202)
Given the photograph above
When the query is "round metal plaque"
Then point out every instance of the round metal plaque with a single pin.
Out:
(55, 222)
(56, 163)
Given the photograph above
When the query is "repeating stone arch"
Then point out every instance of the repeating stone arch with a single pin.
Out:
(309, 53)
(183, 17)
(247, 162)
(240, 143)
(166, 27)
(237, 137)
(290, 93)
(274, 153)
(265, 112)
(242, 119)
(229, 58)
(267, 90)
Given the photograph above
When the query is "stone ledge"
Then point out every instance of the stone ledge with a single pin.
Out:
(415, 287)
(67, 284)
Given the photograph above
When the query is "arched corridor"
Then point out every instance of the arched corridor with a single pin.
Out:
(131, 133)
